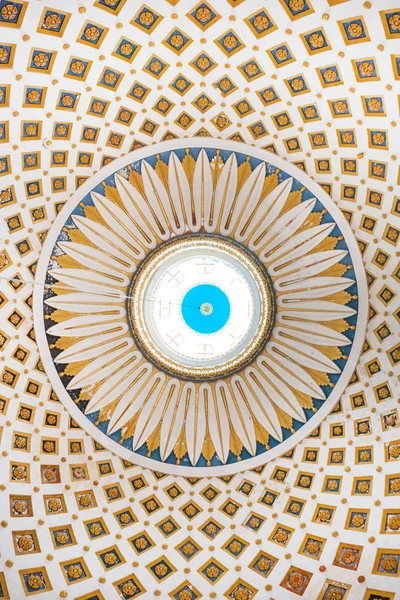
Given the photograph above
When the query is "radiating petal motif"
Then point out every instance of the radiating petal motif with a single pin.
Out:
(138, 392)
(98, 253)
(157, 196)
(269, 208)
(173, 419)
(203, 192)
(117, 221)
(219, 424)
(117, 385)
(260, 404)
(225, 191)
(196, 424)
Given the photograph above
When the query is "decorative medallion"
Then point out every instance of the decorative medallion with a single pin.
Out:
(204, 306)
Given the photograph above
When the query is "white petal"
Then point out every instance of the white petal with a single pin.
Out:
(173, 420)
(294, 375)
(226, 188)
(247, 198)
(240, 417)
(218, 425)
(137, 208)
(260, 404)
(281, 394)
(119, 222)
(316, 287)
(82, 302)
(309, 265)
(88, 325)
(182, 194)
(304, 354)
(195, 426)
(203, 188)
(139, 391)
(152, 413)
(90, 281)
(158, 199)
(314, 310)
(267, 211)
(104, 238)
(91, 258)
(119, 383)
(314, 333)
(273, 237)
(298, 245)
(92, 346)
(102, 367)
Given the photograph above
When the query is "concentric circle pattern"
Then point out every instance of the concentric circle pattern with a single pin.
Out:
(162, 394)
(83, 83)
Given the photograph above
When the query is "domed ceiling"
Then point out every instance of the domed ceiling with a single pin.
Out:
(262, 460)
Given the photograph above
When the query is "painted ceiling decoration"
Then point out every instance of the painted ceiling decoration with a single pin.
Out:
(287, 106)
(157, 235)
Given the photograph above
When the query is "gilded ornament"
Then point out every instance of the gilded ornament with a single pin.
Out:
(146, 18)
(324, 515)
(75, 572)
(110, 558)
(62, 537)
(378, 138)
(20, 507)
(281, 536)
(161, 570)
(251, 69)
(35, 582)
(394, 22)
(261, 22)
(33, 96)
(129, 589)
(77, 67)
(41, 59)
(85, 500)
(281, 54)
(366, 68)
(230, 42)
(330, 75)
(316, 40)
(389, 563)
(3, 55)
(54, 504)
(296, 581)
(312, 547)
(335, 595)
(9, 12)
(212, 572)
(203, 14)
(125, 518)
(241, 594)
(297, 5)
(355, 30)
(52, 21)
(91, 33)
(348, 557)
(25, 543)
(111, 78)
(357, 520)
(297, 84)
(176, 40)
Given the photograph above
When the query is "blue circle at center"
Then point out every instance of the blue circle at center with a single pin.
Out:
(205, 320)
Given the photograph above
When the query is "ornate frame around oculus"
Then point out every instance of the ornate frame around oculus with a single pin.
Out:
(109, 226)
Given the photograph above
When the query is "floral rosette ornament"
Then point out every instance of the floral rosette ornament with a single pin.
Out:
(201, 306)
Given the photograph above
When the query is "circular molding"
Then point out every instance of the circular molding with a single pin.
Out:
(313, 201)
(256, 330)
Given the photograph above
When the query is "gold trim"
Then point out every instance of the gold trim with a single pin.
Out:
(141, 282)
